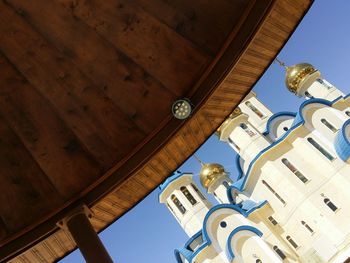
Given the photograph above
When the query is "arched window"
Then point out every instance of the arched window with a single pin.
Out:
(274, 192)
(178, 204)
(254, 109)
(272, 220)
(188, 195)
(258, 260)
(198, 192)
(330, 204)
(320, 149)
(292, 242)
(234, 145)
(320, 81)
(279, 252)
(347, 113)
(307, 227)
(329, 126)
(247, 130)
(308, 95)
(294, 170)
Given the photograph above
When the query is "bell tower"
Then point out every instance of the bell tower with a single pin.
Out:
(185, 201)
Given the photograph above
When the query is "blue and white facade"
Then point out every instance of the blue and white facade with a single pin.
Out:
(291, 200)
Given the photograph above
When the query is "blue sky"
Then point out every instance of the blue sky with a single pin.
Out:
(149, 233)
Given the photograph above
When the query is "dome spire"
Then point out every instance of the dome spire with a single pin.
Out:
(281, 63)
(199, 160)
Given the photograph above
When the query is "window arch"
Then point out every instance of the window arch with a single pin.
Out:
(292, 242)
(178, 204)
(274, 192)
(198, 192)
(279, 252)
(320, 149)
(254, 109)
(330, 204)
(188, 195)
(247, 130)
(234, 145)
(272, 220)
(294, 170)
(307, 227)
(258, 260)
(329, 126)
(320, 81)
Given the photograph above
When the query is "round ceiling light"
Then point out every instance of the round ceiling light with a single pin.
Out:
(181, 109)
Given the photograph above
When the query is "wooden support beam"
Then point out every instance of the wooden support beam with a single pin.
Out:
(84, 235)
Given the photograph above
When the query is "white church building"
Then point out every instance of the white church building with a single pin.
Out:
(291, 201)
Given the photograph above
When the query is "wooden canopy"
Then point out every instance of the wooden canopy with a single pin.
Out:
(86, 88)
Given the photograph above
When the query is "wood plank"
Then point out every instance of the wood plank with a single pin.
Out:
(131, 87)
(175, 153)
(93, 117)
(144, 179)
(264, 47)
(26, 193)
(204, 23)
(54, 147)
(204, 124)
(151, 173)
(162, 52)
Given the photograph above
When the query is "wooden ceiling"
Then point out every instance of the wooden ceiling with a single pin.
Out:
(86, 88)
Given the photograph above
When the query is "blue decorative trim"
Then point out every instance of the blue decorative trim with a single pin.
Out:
(251, 209)
(229, 252)
(184, 252)
(188, 243)
(211, 211)
(169, 180)
(298, 121)
(206, 239)
(275, 116)
(235, 186)
(188, 254)
(339, 98)
(238, 165)
(300, 117)
(341, 143)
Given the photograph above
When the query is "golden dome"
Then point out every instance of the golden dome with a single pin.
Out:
(296, 74)
(210, 172)
(237, 111)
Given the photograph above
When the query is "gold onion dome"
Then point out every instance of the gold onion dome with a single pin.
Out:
(296, 74)
(210, 172)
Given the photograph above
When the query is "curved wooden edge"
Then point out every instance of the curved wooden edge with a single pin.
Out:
(244, 58)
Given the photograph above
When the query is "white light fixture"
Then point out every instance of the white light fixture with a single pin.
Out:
(181, 109)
